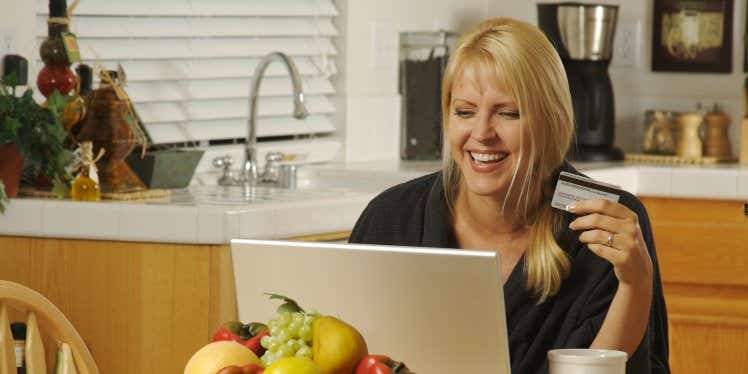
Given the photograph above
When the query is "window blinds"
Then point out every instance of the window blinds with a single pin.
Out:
(189, 64)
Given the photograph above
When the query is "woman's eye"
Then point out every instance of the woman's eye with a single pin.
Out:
(464, 113)
(509, 114)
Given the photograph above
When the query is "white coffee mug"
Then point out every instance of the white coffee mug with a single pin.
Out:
(586, 361)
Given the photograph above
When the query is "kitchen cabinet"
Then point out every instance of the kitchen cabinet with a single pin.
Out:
(702, 247)
(140, 307)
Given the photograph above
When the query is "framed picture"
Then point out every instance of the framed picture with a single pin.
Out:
(692, 36)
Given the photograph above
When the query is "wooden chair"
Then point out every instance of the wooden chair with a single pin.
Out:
(41, 313)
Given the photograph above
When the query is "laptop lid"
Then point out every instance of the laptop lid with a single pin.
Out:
(438, 310)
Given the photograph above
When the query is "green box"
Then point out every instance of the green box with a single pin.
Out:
(171, 168)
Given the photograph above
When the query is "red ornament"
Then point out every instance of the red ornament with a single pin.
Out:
(55, 77)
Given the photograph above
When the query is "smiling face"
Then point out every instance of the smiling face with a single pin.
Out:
(484, 133)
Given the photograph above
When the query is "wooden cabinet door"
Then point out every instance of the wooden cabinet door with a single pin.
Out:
(702, 247)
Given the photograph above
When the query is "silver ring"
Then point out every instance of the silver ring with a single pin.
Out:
(611, 236)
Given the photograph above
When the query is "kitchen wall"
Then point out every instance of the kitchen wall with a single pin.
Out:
(367, 82)
(368, 57)
(17, 29)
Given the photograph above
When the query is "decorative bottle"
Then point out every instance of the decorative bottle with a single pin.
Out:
(85, 186)
(75, 110)
(56, 74)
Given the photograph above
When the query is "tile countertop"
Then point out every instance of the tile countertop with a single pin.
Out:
(206, 215)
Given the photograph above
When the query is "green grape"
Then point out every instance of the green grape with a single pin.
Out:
(293, 344)
(298, 317)
(283, 335)
(305, 333)
(275, 330)
(304, 351)
(293, 329)
(309, 319)
(284, 319)
(267, 359)
(265, 341)
(273, 345)
(284, 351)
(272, 322)
(301, 342)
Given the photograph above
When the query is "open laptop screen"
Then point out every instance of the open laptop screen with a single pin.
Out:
(438, 310)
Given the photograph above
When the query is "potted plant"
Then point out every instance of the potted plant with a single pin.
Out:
(36, 134)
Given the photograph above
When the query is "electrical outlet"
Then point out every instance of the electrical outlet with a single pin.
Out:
(626, 44)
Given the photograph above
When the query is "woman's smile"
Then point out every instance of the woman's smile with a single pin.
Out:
(486, 161)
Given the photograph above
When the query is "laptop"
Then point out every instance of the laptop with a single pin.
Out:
(437, 310)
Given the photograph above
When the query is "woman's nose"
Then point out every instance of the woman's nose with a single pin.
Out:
(483, 131)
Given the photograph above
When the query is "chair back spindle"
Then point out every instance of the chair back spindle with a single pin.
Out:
(75, 356)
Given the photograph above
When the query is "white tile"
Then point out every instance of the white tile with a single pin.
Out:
(654, 181)
(158, 223)
(84, 220)
(259, 223)
(624, 177)
(211, 225)
(232, 230)
(705, 183)
(743, 183)
(305, 218)
(22, 217)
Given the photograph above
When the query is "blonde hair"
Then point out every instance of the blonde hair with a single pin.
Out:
(529, 67)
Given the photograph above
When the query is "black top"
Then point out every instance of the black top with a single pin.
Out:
(415, 214)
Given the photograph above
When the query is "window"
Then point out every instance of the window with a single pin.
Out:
(189, 64)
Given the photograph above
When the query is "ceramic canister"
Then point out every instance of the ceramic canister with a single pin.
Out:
(586, 361)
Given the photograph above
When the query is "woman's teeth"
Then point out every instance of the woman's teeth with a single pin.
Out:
(488, 157)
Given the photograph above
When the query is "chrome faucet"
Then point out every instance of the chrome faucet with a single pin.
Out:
(249, 173)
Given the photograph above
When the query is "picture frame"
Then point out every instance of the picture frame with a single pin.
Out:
(692, 36)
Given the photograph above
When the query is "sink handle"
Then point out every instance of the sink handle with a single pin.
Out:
(272, 167)
(224, 162)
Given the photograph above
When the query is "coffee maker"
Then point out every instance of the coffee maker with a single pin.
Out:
(583, 36)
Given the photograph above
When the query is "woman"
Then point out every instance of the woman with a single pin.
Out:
(587, 277)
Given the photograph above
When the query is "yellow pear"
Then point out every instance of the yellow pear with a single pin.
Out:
(337, 347)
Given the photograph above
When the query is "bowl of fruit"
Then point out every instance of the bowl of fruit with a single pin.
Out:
(295, 341)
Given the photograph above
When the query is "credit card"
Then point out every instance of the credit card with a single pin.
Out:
(572, 187)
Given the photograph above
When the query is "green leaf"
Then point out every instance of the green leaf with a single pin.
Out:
(38, 134)
(289, 305)
(10, 80)
(60, 187)
(57, 102)
(254, 328)
(12, 125)
(3, 198)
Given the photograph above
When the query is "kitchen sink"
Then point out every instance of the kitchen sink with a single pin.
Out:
(313, 182)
